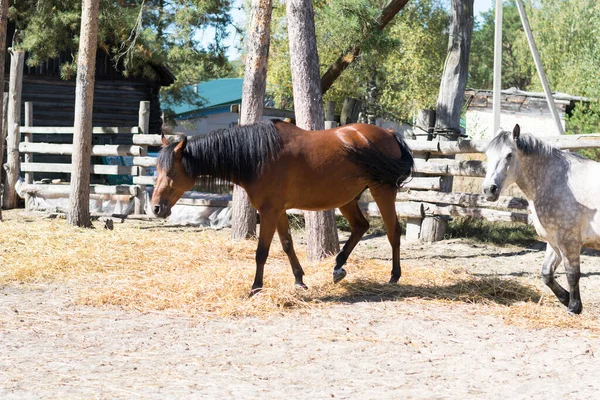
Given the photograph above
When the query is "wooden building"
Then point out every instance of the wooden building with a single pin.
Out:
(116, 101)
(116, 97)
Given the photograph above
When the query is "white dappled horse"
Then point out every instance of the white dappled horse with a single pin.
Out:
(563, 190)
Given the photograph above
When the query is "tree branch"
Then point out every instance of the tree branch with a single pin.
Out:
(336, 69)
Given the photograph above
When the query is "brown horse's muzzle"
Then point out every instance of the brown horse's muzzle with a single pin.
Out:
(161, 210)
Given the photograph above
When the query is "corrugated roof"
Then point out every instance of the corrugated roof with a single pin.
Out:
(214, 93)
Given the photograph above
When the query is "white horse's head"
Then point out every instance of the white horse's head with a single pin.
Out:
(502, 163)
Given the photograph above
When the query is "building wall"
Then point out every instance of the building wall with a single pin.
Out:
(116, 102)
(528, 109)
(479, 123)
(208, 123)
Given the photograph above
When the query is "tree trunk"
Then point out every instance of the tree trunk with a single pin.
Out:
(3, 131)
(340, 65)
(451, 96)
(13, 163)
(79, 210)
(3, 26)
(139, 205)
(321, 232)
(28, 157)
(243, 220)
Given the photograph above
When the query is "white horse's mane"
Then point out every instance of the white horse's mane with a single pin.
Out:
(526, 142)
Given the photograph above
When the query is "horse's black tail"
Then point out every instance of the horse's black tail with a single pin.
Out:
(380, 168)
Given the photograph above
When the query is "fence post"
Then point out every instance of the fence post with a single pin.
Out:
(330, 115)
(27, 138)
(350, 110)
(144, 125)
(425, 120)
(13, 163)
(3, 130)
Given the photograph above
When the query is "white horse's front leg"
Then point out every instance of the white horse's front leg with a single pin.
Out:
(551, 261)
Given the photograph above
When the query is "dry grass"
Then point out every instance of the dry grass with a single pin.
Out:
(148, 266)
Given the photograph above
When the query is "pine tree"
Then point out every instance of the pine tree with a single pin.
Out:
(136, 34)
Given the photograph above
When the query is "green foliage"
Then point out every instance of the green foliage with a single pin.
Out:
(518, 69)
(279, 77)
(410, 75)
(341, 24)
(585, 118)
(500, 233)
(406, 58)
(136, 34)
(566, 34)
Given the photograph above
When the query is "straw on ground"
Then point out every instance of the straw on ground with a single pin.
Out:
(151, 266)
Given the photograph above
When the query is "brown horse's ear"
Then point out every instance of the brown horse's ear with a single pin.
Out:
(164, 140)
(516, 132)
(178, 150)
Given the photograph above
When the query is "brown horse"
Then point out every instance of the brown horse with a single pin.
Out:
(282, 166)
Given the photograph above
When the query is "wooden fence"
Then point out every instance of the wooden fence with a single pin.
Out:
(31, 148)
(419, 198)
(429, 202)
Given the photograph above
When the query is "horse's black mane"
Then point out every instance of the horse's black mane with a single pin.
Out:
(236, 154)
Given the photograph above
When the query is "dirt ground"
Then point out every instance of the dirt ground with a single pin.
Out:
(50, 347)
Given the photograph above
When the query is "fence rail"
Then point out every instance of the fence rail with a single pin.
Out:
(67, 149)
(563, 142)
(439, 204)
(49, 189)
(62, 130)
(29, 147)
(419, 197)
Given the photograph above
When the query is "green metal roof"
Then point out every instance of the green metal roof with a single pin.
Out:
(214, 93)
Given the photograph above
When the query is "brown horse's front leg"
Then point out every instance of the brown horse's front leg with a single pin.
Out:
(285, 237)
(268, 223)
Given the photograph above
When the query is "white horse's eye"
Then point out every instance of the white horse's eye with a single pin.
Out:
(509, 156)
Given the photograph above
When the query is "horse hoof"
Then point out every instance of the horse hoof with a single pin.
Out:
(575, 310)
(394, 279)
(255, 291)
(300, 285)
(338, 275)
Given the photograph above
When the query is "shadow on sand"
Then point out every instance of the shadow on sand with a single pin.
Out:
(483, 290)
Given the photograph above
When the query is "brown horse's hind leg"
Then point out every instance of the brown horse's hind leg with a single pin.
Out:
(268, 223)
(358, 225)
(551, 261)
(385, 197)
(283, 229)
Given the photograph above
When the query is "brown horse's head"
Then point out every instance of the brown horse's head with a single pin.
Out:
(172, 180)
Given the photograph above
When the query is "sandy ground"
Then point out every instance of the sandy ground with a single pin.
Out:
(52, 348)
